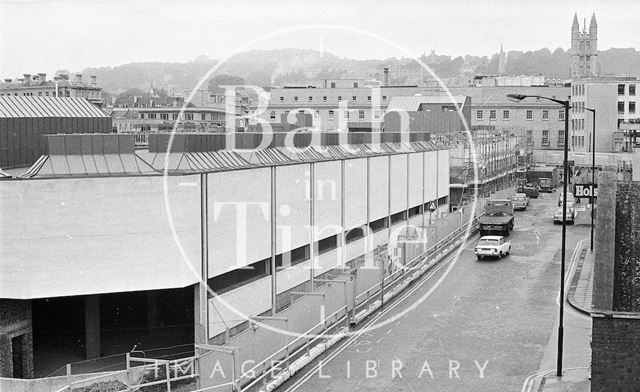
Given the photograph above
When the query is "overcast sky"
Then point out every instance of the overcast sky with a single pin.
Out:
(48, 35)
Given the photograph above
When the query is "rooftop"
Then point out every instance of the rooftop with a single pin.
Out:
(27, 107)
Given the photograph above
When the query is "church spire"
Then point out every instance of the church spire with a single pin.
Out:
(502, 62)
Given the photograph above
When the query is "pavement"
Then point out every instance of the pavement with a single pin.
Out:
(576, 379)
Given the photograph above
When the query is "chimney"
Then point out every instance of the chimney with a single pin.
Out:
(94, 80)
(26, 78)
(7, 80)
(386, 76)
(42, 77)
(78, 78)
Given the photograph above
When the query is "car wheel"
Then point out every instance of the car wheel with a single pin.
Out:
(508, 251)
(499, 255)
(479, 257)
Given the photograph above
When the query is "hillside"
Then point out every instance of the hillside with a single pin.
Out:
(291, 66)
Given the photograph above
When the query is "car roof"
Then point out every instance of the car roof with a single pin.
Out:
(491, 237)
(520, 194)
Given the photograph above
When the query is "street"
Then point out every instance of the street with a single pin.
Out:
(481, 326)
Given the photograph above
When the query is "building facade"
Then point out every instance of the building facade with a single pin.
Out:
(64, 86)
(616, 101)
(541, 122)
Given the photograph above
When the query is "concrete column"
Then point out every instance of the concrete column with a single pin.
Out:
(152, 310)
(92, 326)
(605, 240)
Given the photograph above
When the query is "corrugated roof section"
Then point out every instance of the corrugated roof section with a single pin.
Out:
(15, 106)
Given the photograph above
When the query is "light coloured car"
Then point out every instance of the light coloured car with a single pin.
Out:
(570, 199)
(492, 246)
(520, 201)
(557, 215)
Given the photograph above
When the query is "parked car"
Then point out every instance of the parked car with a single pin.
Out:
(531, 190)
(520, 201)
(492, 246)
(570, 199)
(557, 215)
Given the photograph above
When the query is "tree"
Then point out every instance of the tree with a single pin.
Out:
(223, 80)
(132, 92)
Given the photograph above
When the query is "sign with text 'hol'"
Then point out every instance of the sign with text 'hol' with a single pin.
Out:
(586, 190)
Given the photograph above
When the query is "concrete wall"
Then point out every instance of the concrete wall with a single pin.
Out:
(15, 322)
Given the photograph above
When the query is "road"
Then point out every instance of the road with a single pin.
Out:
(485, 326)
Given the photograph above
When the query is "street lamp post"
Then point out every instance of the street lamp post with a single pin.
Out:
(566, 105)
(593, 171)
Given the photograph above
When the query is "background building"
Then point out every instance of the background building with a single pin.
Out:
(62, 85)
(24, 120)
(616, 102)
(584, 49)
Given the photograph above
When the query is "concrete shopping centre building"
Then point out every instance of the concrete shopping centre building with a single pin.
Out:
(92, 265)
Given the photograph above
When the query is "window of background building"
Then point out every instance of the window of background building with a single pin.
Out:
(621, 89)
(632, 107)
(346, 114)
(355, 85)
(316, 114)
(203, 116)
(384, 98)
(354, 98)
(620, 107)
(165, 116)
(360, 114)
(545, 114)
(295, 99)
(272, 116)
(369, 98)
(324, 99)
(331, 114)
(281, 99)
(505, 114)
(339, 98)
(310, 99)
(175, 116)
(529, 114)
(561, 138)
(376, 114)
(560, 114)
(632, 89)
(142, 116)
(545, 138)
(188, 116)
(492, 114)
(479, 114)
(152, 116)
(529, 137)
(333, 84)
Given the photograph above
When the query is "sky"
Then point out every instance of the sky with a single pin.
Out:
(50, 35)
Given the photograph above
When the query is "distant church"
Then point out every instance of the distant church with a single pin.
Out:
(584, 49)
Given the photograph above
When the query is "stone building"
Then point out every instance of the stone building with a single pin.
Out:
(615, 347)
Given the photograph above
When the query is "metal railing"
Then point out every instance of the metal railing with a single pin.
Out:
(376, 291)
(292, 350)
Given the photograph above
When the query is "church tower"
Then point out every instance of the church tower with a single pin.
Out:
(584, 49)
